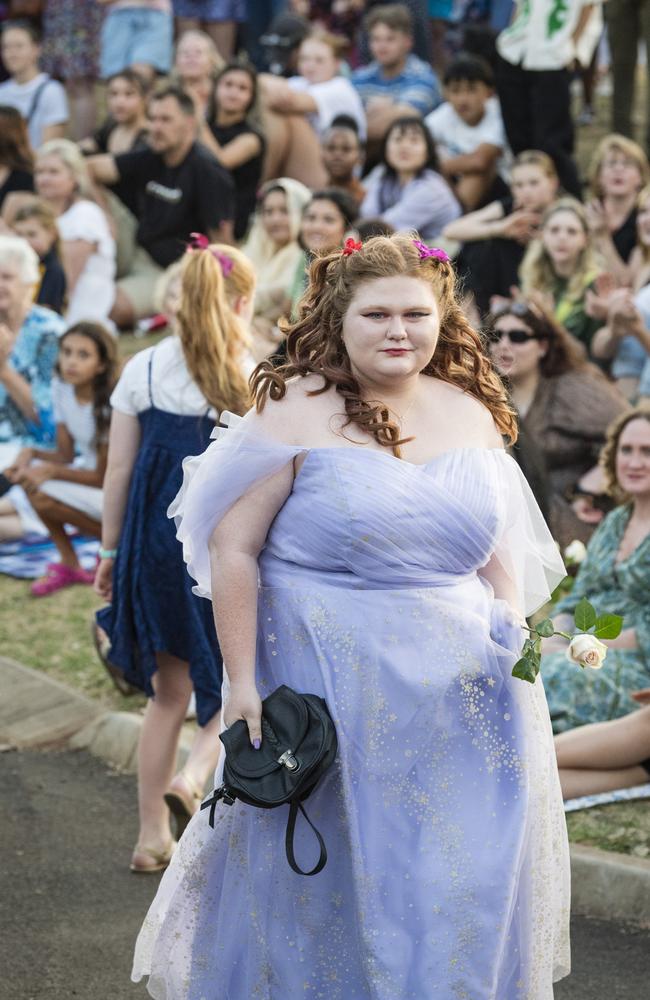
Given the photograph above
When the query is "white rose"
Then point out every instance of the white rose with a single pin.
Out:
(587, 650)
(575, 552)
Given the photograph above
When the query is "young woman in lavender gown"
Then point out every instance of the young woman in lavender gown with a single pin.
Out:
(371, 542)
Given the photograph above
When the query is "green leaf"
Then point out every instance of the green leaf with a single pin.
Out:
(545, 628)
(585, 616)
(608, 626)
(527, 668)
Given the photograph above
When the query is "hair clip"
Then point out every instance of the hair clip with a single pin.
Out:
(198, 241)
(425, 252)
(350, 246)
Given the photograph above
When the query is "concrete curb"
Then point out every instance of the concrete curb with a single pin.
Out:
(37, 711)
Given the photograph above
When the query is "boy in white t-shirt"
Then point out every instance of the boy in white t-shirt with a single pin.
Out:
(41, 101)
(468, 131)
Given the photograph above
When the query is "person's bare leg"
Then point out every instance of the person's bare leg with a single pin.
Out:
(183, 24)
(123, 312)
(606, 746)
(471, 189)
(576, 783)
(202, 758)
(11, 527)
(304, 160)
(278, 138)
(158, 746)
(224, 36)
(54, 516)
(146, 71)
(83, 107)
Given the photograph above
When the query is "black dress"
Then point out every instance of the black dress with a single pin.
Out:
(246, 176)
(17, 180)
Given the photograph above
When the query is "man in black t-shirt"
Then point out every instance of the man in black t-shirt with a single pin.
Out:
(180, 187)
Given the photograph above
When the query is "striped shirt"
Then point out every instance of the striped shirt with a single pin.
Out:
(416, 85)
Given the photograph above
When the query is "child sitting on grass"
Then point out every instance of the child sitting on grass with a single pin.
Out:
(468, 131)
(64, 486)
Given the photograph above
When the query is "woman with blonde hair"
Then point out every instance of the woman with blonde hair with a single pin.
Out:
(365, 537)
(197, 63)
(560, 267)
(615, 577)
(275, 253)
(161, 636)
(619, 169)
(87, 245)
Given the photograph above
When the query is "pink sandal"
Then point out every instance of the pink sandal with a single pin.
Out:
(59, 576)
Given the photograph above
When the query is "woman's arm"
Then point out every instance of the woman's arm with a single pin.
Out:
(480, 225)
(239, 150)
(234, 549)
(604, 244)
(54, 469)
(123, 445)
(75, 254)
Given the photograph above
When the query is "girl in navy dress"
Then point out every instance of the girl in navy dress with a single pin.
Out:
(163, 637)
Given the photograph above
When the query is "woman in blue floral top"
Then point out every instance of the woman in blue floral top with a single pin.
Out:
(28, 350)
(615, 577)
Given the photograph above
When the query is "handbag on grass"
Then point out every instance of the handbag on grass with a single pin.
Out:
(299, 745)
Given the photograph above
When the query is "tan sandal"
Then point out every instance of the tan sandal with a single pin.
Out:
(183, 806)
(156, 861)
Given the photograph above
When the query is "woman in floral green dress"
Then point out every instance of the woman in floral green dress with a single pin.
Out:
(615, 577)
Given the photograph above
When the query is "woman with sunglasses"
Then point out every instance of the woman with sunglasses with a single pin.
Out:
(565, 406)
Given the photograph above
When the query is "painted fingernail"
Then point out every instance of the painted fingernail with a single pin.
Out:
(257, 743)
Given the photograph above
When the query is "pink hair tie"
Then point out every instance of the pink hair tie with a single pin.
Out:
(425, 252)
(350, 246)
(198, 241)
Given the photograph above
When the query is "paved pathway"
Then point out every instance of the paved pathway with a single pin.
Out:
(70, 908)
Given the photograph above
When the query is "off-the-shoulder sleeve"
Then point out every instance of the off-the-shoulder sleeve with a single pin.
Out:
(238, 458)
(525, 550)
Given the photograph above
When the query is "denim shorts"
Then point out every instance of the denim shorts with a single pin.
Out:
(211, 10)
(135, 35)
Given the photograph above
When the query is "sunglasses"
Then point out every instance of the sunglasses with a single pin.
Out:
(520, 336)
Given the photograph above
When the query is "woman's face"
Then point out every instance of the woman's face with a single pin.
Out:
(14, 293)
(391, 329)
(53, 180)
(79, 359)
(275, 218)
(619, 174)
(323, 227)
(643, 223)
(125, 102)
(193, 57)
(532, 189)
(633, 458)
(564, 238)
(234, 92)
(515, 361)
(316, 61)
(406, 150)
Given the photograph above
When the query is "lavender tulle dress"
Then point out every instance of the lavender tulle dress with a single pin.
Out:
(448, 871)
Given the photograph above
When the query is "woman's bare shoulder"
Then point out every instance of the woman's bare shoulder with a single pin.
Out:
(464, 412)
(295, 418)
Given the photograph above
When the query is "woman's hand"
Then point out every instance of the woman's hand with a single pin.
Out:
(244, 702)
(103, 584)
(21, 462)
(31, 478)
(520, 226)
(597, 218)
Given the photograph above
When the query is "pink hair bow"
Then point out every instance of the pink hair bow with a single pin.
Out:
(198, 241)
(425, 251)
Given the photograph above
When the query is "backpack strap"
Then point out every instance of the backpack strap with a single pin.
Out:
(291, 829)
(36, 98)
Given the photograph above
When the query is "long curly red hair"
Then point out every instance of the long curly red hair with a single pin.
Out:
(315, 344)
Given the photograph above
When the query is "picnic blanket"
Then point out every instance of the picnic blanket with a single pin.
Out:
(28, 558)
(605, 798)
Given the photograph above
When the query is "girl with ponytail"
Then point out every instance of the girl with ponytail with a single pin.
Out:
(162, 638)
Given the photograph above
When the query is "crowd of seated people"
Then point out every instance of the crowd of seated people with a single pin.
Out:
(367, 125)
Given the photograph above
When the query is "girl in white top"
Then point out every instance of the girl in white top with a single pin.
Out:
(162, 637)
(55, 488)
(88, 247)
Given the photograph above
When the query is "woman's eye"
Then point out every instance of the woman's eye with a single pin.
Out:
(374, 315)
(417, 315)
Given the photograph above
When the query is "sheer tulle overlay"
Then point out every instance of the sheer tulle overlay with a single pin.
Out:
(448, 872)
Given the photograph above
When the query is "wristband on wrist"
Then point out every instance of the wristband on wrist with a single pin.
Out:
(107, 553)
